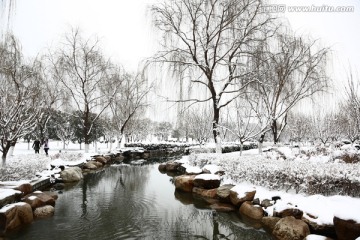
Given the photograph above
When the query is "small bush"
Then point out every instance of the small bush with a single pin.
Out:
(350, 157)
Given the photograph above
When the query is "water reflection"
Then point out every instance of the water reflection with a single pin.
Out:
(134, 202)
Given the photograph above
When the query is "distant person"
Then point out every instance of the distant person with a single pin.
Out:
(36, 146)
(46, 146)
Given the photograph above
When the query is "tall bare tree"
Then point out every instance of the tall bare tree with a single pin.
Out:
(20, 95)
(212, 41)
(82, 69)
(129, 101)
(289, 69)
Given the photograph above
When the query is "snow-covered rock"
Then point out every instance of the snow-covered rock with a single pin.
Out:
(289, 228)
(71, 174)
(240, 194)
(207, 181)
(14, 215)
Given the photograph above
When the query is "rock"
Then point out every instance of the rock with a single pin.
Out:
(324, 229)
(25, 188)
(251, 211)
(162, 167)
(58, 186)
(45, 211)
(290, 228)
(101, 160)
(172, 166)
(269, 223)
(266, 203)
(91, 165)
(208, 193)
(223, 207)
(184, 183)
(256, 201)
(346, 229)
(14, 215)
(239, 195)
(296, 213)
(108, 158)
(9, 196)
(72, 174)
(223, 193)
(36, 200)
(207, 181)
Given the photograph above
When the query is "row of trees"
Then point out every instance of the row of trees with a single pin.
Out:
(77, 78)
(242, 58)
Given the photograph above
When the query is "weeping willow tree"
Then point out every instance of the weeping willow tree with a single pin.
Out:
(6, 9)
(212, 42)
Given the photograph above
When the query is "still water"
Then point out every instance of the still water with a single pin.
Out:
(134, 202)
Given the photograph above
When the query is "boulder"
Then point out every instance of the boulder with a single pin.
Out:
(223, 207)
(320, 229)
(295, 212)
(239, 195)
(14, 215)
(172, 166)
(208, 193)
(25, 188)
(184, 183)
(72, 174)
(36, 200)
(346, 229)
(91, 165)
(266, 203)
(269, 223)
(223, 193)
(207, 181)
(290, 228)
(162, 167)
(9, 196)
(253, 212)
(108, 158)
(45, 211)
(101, 160)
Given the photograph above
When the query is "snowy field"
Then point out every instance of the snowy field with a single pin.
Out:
(24, 164)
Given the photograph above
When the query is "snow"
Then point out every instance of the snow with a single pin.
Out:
(242, 189)
(315, 237)
(252, 171)
(207, 177)
(32, 198)
(4, 193)
(212, 168)
(191, 169)
(10, 206)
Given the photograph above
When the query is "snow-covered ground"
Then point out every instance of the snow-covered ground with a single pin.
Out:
(24, 164)
(281, 172)
(292, 174)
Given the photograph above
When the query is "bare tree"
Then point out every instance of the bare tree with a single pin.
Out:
(212, 41)
(351, 117)
(82, 69)
(199, 124)
(248, 121)
(289, 69)
(298, 127)
(129, 101)
(20, 91)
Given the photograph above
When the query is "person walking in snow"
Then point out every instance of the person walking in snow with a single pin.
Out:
(36, 146)
(46, 146)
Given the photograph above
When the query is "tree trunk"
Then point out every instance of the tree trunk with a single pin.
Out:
(261, 140)
(86, 129)
(241, 147)
(274, 131)
(216, 133)
(5, 152)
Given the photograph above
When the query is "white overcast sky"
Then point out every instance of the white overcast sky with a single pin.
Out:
(124, 27)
